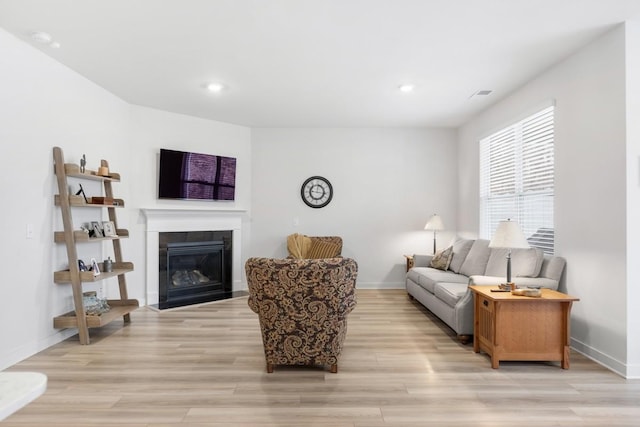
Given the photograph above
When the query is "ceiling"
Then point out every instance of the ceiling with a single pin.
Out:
(314, 63)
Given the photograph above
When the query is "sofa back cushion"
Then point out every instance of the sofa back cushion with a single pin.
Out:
(477, 258)
(524, 262)
(460, 252)
(552, 267)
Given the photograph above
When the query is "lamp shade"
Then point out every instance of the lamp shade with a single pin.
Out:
(508, 235)
(434, 223)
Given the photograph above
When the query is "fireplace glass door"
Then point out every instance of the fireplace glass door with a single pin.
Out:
(194, 272)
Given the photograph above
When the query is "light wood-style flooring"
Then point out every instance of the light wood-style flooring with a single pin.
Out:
(204, 366)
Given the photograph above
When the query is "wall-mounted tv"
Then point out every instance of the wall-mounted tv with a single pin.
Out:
(184, 175)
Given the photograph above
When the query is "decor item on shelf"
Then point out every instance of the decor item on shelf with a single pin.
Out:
(94, 267)
(508, 235)
(435, 224)
(109, 229)
(83, 163)
(103, 171)
(108, 265)
(97, 229)
(99, 200)
(81, 191)
(94, 306)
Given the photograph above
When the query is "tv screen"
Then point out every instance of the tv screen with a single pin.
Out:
(196, 176)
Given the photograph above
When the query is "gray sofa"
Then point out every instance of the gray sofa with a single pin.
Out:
(445, 292)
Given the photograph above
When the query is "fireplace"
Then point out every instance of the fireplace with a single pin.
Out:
(192, 226)
(194, 267)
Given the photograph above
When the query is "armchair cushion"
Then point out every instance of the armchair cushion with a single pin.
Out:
(322, 249)
(301, 246)
(298, 245)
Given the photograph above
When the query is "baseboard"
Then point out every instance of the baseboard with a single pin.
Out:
(33, 347)
(603, 359)
(379, 285)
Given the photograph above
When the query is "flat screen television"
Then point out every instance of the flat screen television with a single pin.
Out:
(196, 176)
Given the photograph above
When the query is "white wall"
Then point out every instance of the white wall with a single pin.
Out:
(590, 203)
(44, 104)
(387, 182)
(632, 45)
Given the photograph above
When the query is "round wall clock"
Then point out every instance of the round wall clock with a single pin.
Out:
(316, 192)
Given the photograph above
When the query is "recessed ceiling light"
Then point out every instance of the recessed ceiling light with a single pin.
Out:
(482, 92)
(406, 88)
(215, 87)
(41, 37)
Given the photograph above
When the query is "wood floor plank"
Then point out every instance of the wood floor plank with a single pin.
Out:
(203, 366)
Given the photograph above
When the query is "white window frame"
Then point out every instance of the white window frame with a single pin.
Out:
(517, 179)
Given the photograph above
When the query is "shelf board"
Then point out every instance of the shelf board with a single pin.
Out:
(118, 309)
(79, 202)
(64, 276)
(80, 236)
(73, 170)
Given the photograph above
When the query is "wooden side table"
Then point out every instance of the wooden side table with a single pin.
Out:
(409, 259)
(511, 327)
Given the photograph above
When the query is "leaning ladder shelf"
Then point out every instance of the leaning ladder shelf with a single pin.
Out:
(71, 237)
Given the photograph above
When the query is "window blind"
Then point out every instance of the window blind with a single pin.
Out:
(517, 179)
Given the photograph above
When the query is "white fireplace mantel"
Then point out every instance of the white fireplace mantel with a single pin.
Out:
(170, 220)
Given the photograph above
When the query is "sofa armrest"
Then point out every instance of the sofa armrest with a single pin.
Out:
(520, 282)
(421, 260)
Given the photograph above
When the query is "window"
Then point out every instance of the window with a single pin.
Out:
(517, 179)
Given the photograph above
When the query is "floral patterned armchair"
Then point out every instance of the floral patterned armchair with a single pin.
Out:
(302, 305)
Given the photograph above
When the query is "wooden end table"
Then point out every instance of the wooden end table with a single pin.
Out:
(409, 259)
(512, 327)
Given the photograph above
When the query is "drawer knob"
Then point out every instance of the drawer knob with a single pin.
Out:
(485, 303)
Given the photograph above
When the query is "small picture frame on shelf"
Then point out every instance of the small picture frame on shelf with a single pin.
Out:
(109, 229)
(97, 229)
(94, 267)
(82, 266)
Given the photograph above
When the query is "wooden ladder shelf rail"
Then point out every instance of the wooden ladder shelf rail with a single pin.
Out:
(70, 237)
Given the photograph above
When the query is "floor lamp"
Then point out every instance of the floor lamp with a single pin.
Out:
(508, 235)
(435, 224)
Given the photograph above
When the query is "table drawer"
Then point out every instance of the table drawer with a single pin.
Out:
(485, 304)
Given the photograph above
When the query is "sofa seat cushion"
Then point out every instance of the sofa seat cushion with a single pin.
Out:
(450, 293)
(427, 277)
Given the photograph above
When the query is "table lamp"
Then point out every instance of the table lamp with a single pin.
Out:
(508, 235)
(435, 224)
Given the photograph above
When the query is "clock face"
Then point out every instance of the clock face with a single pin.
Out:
(316, 192)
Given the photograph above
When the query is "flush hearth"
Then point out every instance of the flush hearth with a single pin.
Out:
(194, 267)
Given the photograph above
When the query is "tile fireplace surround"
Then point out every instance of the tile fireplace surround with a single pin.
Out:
(167, 220)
